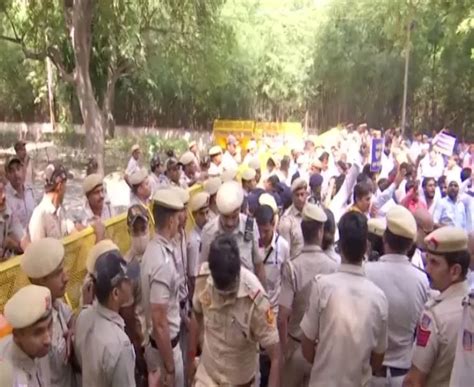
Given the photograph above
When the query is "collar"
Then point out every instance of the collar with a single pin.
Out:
(12, 191)
(311, 249)
(448, 199)
(400, 258)
(110, 315)
(294, 211)
(352, 269)
(161, 240)
(21, 358)
(455, 290)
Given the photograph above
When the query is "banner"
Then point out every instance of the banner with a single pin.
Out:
(376, 149)
(444, 143)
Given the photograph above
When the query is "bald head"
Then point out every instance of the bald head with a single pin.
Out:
(425, 224)
(424, 219)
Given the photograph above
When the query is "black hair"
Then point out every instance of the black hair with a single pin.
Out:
(264, 215)
(466, 173)
(339, 181)
(408, 168)
(161, 215)
(108, 267)
(376, 242)
(461, 258)
(362, 189)
(329, 230)
(324, 156)
(426, 181)
(273, 180)
(224, 261)
(353, 233)
(383, 184)
(285, 161)
(442, 180)
(397, 243)
(309, 229)
(409, 185)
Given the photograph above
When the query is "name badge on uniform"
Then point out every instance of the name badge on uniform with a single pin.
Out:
(467, 339)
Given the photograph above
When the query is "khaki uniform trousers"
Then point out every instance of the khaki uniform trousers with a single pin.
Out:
(296, 369)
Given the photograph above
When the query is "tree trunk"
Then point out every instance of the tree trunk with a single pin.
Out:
(81, 37)
(49, 73)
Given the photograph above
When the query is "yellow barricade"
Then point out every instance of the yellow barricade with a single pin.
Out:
(76, 247)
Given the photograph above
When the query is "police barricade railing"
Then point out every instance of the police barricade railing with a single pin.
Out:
(76, 248)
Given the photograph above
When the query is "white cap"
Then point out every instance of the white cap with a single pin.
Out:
(42, 257)
(229, 197)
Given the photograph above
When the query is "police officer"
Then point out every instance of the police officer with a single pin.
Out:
(43, 264)
(295, 290)
(344, 302)
(235, 315)
(29, 314)
(160, 291)
(447, 264)
(289, 227)
(463, 367)
(140, 187)
(188, 163)
(216, 167)
(406, 289)
(230, 221)
(211, 186)
(104, 351)
(199, 208)
(96, 206)
(12, 234)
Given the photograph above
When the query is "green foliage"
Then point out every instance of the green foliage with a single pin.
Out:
(187, 62)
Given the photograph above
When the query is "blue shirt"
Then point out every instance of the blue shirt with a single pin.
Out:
(450, 213)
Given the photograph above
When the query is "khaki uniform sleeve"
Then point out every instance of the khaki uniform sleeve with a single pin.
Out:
(257, 255)
(287, 292)
(310, 322)
(193, 257)
(123, 372)
(427, 343)
(263, 323)
(160, 287)
(206, 241)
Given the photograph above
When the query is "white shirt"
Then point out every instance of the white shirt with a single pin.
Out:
(406, 289)
(228, 162)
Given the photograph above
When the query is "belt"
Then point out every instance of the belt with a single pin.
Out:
(174, 342)
(394, 371)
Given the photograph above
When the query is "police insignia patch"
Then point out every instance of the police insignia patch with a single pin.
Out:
(270, 316)
(425, 321)
(422, 337)
(467, 339)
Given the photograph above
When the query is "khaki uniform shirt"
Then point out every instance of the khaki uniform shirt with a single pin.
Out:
(181, 262)
(21, 206)
(160, 283)
(290, 229)
(407, 290)
(26, 371)
(193, 249)
(48, 221)
(233, 328)
(9, 227)
(347, 316)
(463, 368)
(250, 254)
(62, 374)
(104, 351)
(437, 333)
(89, 217)
(296, 282)
(277, 254)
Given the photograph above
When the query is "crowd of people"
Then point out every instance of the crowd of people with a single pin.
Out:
(315, 268)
